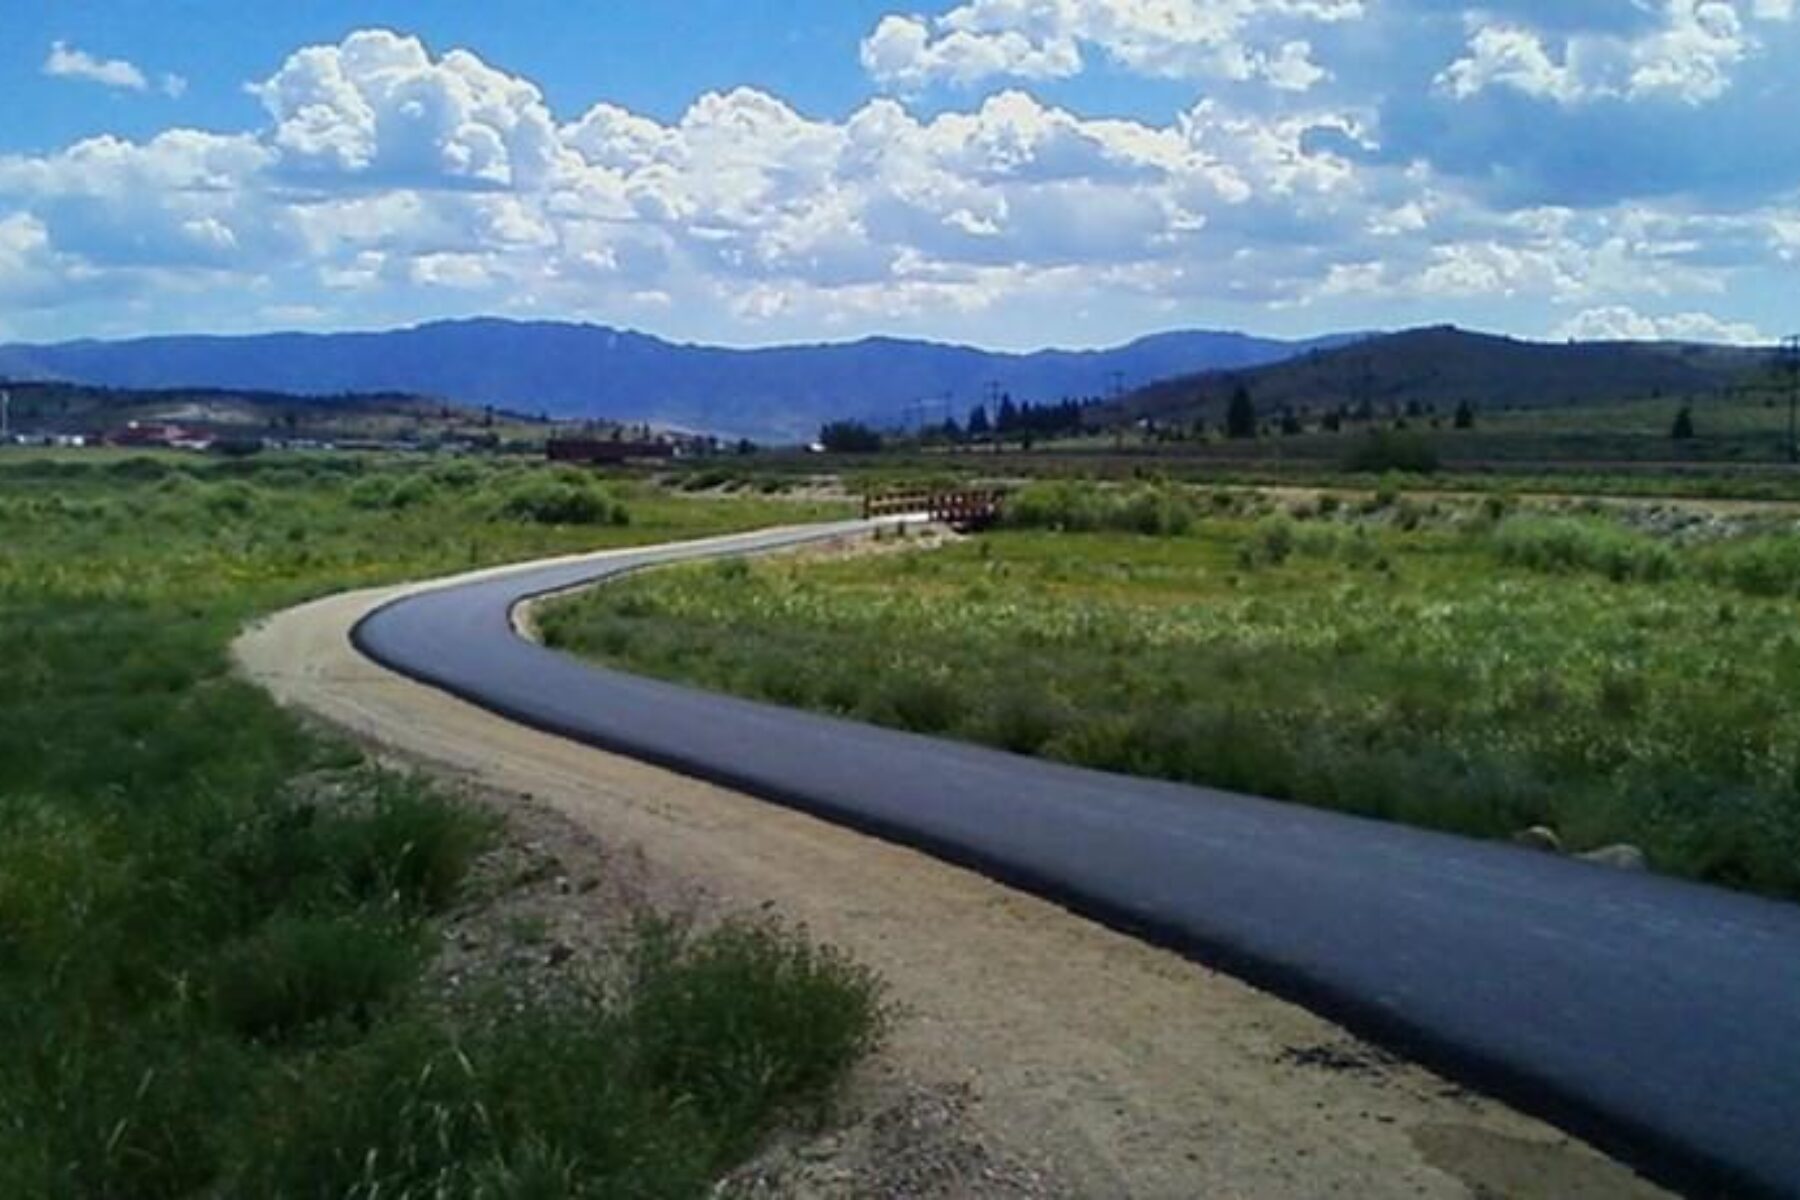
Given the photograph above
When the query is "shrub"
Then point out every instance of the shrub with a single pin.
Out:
(1758, 566)
(1564, 544)
(1155, 510)
(922, 703)
(1391, 450)
(1023, 720)
(560, 499)
(746, 1018)
(231, 500)
(403, 845)
(298, 971)
(648, 1092)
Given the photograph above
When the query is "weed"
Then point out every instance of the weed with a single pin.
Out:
(1444, 671)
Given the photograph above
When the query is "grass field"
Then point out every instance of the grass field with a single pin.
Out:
(1472, 666)
(214, 923)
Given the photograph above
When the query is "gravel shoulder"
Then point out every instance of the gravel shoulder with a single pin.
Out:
(1035, 1053)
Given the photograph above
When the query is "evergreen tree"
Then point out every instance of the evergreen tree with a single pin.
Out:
(849, 437)
(1683, 429)
(1465, 416)
(1009, 414)
(1240, 417)
(978, 421)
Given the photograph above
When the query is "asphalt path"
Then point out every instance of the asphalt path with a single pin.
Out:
(1658, 1019)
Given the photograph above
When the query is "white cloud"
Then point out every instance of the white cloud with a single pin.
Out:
(1622, 323)
(378, 105)
(67, 62)
(1689, 55)
(904, 53)
(389, 178)
(1690, 59)
(1292, 69)
(1045, 39)
(1514, 57)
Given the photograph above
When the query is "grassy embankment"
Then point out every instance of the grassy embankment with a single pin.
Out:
(214, 923)
(779, 474)
(1474, 667)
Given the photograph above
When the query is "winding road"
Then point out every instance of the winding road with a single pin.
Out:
(1659, 1019)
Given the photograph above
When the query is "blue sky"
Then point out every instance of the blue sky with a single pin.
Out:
(1009, 172)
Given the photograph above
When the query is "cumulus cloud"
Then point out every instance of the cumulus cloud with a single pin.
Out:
(379, 106)
(1048, 39)
(1622, 323)
(67, 62)
(391, 177)
(1688, 56)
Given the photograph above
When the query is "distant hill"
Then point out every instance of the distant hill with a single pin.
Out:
(57, 407)
(591, 371)
(1443, 366)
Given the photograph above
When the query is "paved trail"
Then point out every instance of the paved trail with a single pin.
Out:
(1657, 1016)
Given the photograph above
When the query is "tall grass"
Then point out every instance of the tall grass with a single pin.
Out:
(1465, 669)
(1157, 511)
(213, 922)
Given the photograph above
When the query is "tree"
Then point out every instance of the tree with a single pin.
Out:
(1240, 417)
(978, 421)
(1290, 423)
(1683, 429)
(849, 437)
(1009, 414)
(1465, 416)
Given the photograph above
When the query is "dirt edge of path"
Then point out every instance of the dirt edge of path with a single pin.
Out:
(1035, 1053)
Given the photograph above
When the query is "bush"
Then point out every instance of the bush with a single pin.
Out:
(404, 846)
(1758, 566)
(921, 703)
(649, 1092)
(1392, 450)
(560, 499)
(1155, 510)
(1563, 544)
(298, 971)
(747, 1018)
(849, 437)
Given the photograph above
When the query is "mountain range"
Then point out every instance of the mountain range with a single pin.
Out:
(1445, 366)
(576, 371)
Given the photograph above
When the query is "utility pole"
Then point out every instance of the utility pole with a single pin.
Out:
(1115, 392)
(1790, 363)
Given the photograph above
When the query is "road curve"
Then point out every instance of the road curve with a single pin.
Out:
(1658, 1019)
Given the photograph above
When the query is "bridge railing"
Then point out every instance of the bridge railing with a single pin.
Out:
(967, 508)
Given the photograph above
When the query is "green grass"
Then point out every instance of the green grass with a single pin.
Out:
(1463, 666)
(213, 922)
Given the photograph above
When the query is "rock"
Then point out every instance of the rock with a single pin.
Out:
(1624, 856)
(1538, 837)
(560, 953)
